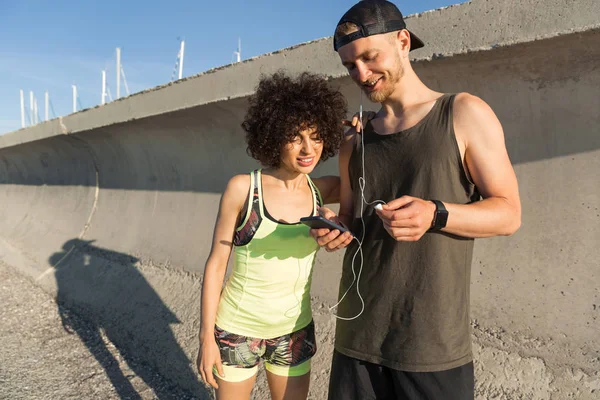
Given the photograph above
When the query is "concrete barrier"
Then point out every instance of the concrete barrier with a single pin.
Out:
(112, 208)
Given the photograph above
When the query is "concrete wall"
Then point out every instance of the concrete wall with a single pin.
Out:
(112, 208)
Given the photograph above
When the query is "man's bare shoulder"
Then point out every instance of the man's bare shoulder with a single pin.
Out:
(473, 116)
(467, 105)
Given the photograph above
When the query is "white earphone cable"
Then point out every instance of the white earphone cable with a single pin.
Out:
(361, 183)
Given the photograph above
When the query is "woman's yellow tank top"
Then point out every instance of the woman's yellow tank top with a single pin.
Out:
(268, 292)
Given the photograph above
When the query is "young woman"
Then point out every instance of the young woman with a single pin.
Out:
(264, 311)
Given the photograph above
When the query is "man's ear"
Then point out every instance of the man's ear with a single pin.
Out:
(403, 42)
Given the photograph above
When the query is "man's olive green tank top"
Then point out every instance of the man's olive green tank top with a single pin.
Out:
(416, 294)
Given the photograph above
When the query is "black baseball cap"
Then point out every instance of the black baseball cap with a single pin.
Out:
(374, 17)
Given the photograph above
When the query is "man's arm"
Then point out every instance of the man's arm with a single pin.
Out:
(480, 133)
(346, 200)
(332, 239)
(486, 158)
(329, 187)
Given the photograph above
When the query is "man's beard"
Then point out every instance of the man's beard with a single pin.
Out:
(382, 95)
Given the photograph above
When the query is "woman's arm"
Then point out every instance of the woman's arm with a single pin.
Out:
(232, 202)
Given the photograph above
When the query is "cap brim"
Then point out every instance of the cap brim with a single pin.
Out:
(415, 42)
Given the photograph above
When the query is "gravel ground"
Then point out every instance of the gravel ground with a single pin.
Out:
(41, 359)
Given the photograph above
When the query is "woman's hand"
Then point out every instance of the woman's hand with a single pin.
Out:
(331, 240)
(209, 357)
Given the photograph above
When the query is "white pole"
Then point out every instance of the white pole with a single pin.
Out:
(35, 110)
(31, 108)
(74, 98)
(22, 109)
(103, 87)
(118, 72)
(238, 53)
(181, 59)
(46, 101)
(125, 81)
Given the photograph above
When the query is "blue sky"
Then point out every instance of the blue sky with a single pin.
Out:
(51, 45)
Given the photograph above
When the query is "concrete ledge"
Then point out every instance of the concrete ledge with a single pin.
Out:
(478, 25)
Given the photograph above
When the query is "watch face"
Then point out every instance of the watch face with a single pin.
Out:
(441, 216)
(441, 219)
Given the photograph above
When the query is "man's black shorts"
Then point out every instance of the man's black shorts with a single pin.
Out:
(353, 379)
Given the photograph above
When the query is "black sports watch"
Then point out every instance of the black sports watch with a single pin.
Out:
(440, 217)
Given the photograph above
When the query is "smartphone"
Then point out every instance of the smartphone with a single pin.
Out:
(318, 222)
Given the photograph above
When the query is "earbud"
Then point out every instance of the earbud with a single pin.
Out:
(379, 206)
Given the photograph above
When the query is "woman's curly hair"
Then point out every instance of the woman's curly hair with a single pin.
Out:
(283, 106)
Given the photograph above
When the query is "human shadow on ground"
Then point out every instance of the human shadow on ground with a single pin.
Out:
(102, 292)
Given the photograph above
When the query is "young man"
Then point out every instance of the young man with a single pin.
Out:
(439, 163)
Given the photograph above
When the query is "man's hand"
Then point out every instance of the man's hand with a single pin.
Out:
(408, 218)
(355, 121)
(331, 240)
